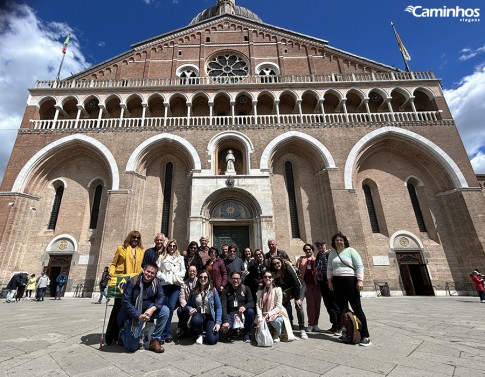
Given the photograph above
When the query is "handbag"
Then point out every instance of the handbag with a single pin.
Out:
(263, 335)
(287, 295)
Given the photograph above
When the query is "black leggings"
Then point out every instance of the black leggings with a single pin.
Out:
(345, 289)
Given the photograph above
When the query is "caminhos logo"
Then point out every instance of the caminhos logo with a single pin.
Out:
(464, 14)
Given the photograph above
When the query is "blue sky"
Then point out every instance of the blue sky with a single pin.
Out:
(32, 33)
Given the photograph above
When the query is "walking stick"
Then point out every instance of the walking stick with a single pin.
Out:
(104, 323)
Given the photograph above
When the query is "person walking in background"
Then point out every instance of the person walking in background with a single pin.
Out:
(478, 280)
(31, 286)
(328, 296)
(61, 282)
(306, 264)
(23, 280)
(12, 287)
(127, 261)
(41, 286)
(103, 283)
(345, 274)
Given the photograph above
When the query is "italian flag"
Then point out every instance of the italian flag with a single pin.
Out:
(66, 42)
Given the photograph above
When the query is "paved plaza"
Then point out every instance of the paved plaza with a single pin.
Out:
(411, 336)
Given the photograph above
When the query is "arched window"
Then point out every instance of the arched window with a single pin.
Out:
(417, 209)
(290, 188)
(55, 207)
(167, 198)
(95, 208)
(371, 210)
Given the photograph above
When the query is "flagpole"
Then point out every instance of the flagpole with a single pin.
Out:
(60, 67)
(401, 48)
(64, 49)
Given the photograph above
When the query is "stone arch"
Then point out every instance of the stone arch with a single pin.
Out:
(70, 240)
(36, 160)
(242, 138)
(434, 150)
(142, 149)
(234, 193)
(319, 148)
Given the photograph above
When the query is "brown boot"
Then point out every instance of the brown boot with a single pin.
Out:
(156, 346)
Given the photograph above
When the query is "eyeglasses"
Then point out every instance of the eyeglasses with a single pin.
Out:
(172, 245)
(135, 238)
(267, 277)
(236, 279)
(203, 277)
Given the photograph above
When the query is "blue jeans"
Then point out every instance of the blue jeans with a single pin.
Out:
(102, 293)
(248, 320)
(277, 324)
(59, 290)
(200, 322)
(40, 293)
(172, 293)
(131, 342)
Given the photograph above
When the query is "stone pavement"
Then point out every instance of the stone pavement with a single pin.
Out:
(411, 336)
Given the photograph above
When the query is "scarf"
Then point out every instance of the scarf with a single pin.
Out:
(136, 324)
(267, 302)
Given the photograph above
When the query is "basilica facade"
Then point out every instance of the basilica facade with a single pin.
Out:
(243, 132)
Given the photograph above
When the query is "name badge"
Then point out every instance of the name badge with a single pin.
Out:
(235, 304)
(202, 309)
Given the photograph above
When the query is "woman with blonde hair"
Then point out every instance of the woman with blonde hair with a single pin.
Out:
(171, 272)
(127, 261)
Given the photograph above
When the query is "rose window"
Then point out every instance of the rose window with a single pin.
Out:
(227, 66)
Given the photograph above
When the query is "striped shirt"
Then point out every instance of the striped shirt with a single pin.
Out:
(338, 267)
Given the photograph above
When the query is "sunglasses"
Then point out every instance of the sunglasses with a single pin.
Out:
(171, 245)
(267, 277)
(135, 238)
(203, 277)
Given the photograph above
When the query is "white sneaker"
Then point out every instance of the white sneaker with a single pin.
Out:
(303, 334)
(276, 339)
(365, 342)
(200, 340)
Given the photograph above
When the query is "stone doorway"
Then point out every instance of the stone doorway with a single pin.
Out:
(57, 264)
(414, 274)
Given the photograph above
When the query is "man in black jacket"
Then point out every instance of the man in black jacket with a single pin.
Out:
(237, 303)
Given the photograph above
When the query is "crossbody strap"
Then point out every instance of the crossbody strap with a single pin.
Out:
(338, 254)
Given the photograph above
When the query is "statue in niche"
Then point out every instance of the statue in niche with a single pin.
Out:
(230, 163)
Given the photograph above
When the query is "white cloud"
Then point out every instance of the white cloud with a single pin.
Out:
(468, 53)
(467, 105)
(478, 163)
(31, 50)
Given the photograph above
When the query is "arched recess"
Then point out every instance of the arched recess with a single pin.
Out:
(316, 145)
(439, 154)
(35, 161)
(216, 143)
(234, 213)
(143, 148)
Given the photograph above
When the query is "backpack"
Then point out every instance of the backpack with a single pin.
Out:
(351, 326)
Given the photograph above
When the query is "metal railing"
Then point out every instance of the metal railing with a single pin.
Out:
(235, 121)
(254, 79)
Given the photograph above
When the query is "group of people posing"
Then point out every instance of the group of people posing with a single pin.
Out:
(21, 284)
(218, 293)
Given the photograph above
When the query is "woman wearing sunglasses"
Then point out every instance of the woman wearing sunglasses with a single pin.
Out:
(269, 308)
(205, 310)
(171, 273)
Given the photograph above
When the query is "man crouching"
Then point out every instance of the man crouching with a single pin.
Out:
(143, 299)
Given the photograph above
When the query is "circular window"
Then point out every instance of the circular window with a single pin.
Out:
(227, 65)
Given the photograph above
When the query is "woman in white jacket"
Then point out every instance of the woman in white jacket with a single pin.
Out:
(171, 273)
(269, 307)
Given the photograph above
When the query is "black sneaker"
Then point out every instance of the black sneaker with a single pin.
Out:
(365, 342)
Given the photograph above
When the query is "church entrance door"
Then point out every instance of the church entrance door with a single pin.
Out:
(238, 235)
(57, 264)
(414, 274)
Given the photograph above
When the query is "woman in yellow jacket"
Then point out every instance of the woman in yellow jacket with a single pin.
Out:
(127, 260)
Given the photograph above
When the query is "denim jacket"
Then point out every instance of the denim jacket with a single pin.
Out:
(214, 304)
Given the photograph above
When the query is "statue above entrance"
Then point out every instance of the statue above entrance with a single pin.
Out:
(230, 163)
